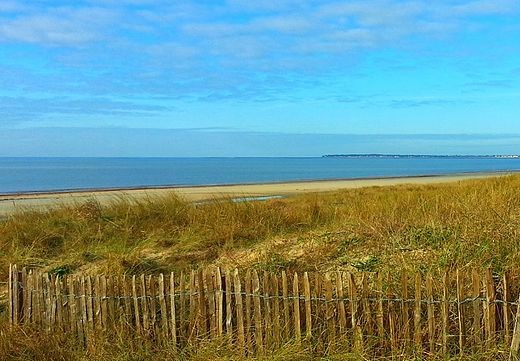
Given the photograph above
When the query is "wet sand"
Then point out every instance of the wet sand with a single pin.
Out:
(12, 203)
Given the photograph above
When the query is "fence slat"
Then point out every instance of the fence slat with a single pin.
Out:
(405, 309)
(296, 308)
(90, 311)
(24, 303)
(83, 304)
(10, 296)
(379, 311)
(240, 311)
(285, 306)
(111, 302)
(258, 313)
(460, 311)
(354, 313)
(490, 307)
(152, 307)
(477, 313)
(276, 309)
(104, 304)
(417, 331)
(192, 328)
(445, 313)
(268, 325)
(308, 313)
(329, 314)
(515, 343)
(15, 286)
(71, 303)
(391, 318)
(219, 302)
(211, 304)
(249, 298)
(30, 291)
(162, 305)
(203, 314)
(173, 321)
(341, 304)
(137, 317)
(97, 303)
(431, 313)
(59, 302)
(127, 301)
(229, 310)
(367, 314)
(183, 316)
(506, 308)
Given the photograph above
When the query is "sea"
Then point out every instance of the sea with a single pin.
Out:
(19, 175)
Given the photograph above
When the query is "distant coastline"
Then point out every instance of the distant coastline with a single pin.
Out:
(429, 156)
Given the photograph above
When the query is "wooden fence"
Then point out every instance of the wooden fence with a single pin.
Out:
(455, 313)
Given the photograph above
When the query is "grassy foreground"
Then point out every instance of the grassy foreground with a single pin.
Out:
(464, 224)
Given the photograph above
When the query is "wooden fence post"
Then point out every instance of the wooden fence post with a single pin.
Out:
(405, 309)
(296, 308)
(392, 319)
(285, 295)
(379, 311)
(490, 307)
(367, 314)
(136, 304)
(229, 309)
(506, 308)
(329, 313)
(202, 315)
(219, 302)
(445, 313)
(515, 343)
(340, 304)
(268, 324)
(15, 286)
(460, 311)
(417, 314)
(258, 313)
(173, 322)
(477, 313)
(276, 308)
(240, 312)
(212, 306)
(308, 313)
(10, 296)
(431, 313)
(354, 313)
(164, 310)
(249, 298)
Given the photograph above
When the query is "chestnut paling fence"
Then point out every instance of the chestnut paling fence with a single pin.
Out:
(456, 313)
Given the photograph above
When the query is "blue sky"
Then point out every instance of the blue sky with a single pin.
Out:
(310, 74)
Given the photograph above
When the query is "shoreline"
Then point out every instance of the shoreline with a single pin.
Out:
(10, 203)
(51, 192)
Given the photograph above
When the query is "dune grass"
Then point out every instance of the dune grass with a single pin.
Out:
(474, 222)
(416, 227)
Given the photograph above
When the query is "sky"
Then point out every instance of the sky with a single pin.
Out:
(265, 78)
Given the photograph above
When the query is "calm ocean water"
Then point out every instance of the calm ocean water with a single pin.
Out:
(46, 174)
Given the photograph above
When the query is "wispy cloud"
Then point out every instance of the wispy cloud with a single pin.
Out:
(58, 26)
(234, 50)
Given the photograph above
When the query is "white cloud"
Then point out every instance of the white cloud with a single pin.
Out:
(58, 26)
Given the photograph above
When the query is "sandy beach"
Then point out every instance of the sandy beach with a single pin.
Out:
(12, 203)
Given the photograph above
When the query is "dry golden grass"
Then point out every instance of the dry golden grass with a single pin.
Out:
(408, 227)
(465, 224)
